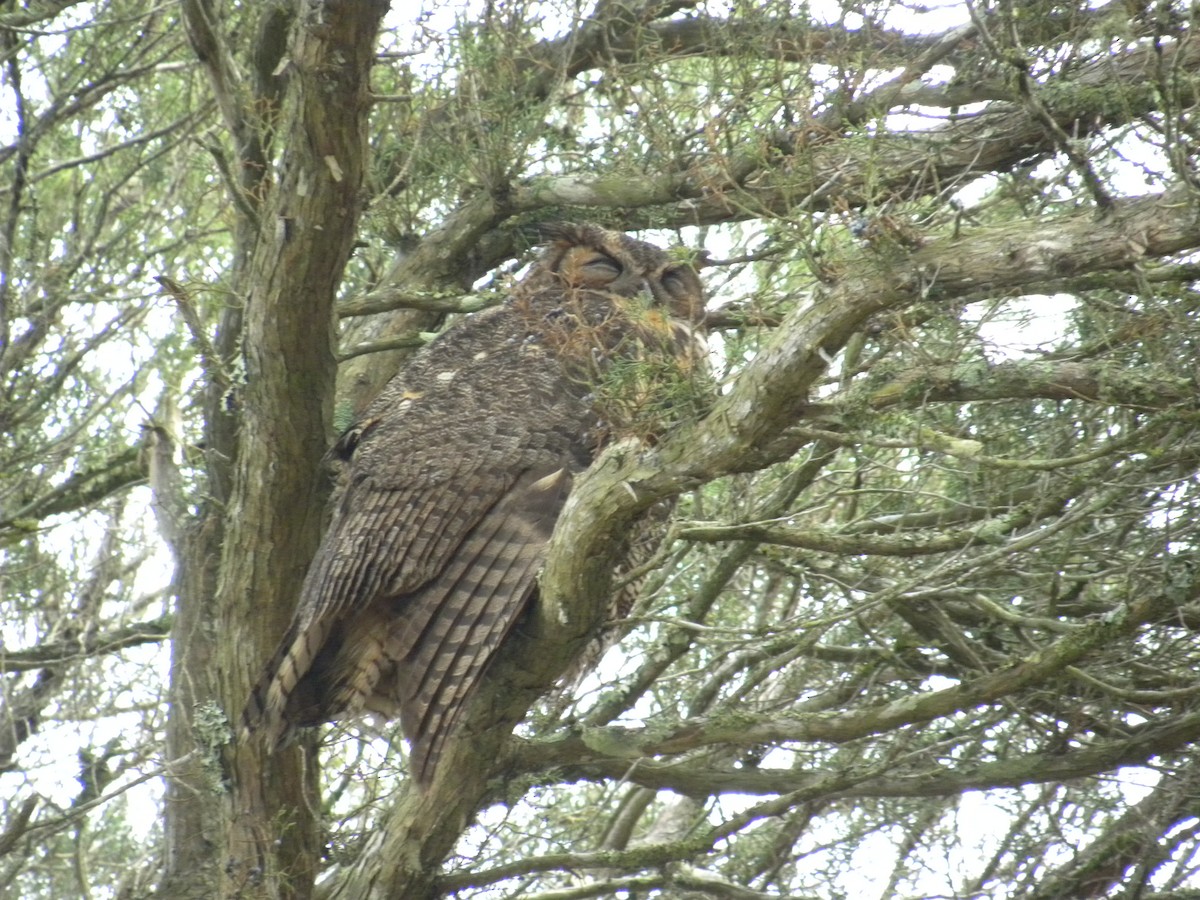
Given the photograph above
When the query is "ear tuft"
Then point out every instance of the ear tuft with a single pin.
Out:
(560, 232)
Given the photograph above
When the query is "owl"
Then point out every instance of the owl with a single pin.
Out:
(455, 476)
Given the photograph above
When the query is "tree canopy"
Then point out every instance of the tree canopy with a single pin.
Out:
(925, 622)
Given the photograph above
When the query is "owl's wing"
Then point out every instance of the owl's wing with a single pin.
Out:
(413, 589)
(389, 535)
(450, 630)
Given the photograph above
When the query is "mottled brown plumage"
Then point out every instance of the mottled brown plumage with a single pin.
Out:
(456, 476)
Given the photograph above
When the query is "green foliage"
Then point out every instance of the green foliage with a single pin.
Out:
(830, 684)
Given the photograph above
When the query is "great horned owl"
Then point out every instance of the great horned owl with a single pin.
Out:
(456, 475)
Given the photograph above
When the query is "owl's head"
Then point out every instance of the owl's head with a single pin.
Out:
(587, 257)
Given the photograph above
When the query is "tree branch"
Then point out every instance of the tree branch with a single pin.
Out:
(89, 645)
(576, 759)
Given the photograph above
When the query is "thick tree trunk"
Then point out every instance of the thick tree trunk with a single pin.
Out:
(243, 822)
